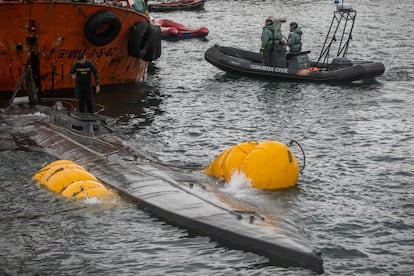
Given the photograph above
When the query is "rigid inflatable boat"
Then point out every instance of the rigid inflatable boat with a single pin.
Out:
(184, 198)
(297, 66)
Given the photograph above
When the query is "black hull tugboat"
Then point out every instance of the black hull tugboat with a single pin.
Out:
(298, 66)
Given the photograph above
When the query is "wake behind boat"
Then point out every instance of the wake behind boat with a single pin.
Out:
(297, 66)
(181, 197)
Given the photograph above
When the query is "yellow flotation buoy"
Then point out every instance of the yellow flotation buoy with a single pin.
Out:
(230, 160)
(271, 165)
(46, 168)
(216, 167)
(58, 169)
(268, 165)
(71, 179)
(60, 179)
(86, 189)
(234, 159)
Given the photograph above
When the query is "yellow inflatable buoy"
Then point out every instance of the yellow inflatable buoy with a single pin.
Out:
(94, 192)
(72, 180)
(86, 189)
(216, 167)
(271, 165)
(60, 179)
(234, 159)
(46, 168)
(56, 169)
(268, 165)
(230, 160)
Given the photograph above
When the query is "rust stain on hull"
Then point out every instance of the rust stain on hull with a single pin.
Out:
(58, 30)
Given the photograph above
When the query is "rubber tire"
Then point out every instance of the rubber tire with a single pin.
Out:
(155, 45)
(96, 22)
(139, 40)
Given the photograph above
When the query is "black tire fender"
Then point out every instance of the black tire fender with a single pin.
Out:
(139, 40)
(102, 28)
(155, 47)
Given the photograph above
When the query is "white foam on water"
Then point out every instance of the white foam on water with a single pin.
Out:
(239, 186)
(92, 201)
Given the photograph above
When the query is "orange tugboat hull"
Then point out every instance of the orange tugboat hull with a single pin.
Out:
(54, 32)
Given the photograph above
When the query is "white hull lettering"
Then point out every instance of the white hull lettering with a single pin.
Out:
(260, 67)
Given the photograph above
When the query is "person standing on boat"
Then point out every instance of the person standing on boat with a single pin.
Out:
(274, 53)
(295, 38)
(82, 71)
(141, 6)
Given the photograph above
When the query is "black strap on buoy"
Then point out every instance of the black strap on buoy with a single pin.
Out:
(303, 153)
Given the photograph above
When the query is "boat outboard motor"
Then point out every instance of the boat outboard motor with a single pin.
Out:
(280, 56)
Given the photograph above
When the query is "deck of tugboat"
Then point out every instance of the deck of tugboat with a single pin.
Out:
(183, 198)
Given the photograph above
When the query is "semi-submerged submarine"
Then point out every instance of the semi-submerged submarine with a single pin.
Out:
(182, 197)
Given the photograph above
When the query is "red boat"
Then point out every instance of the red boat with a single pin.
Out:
(171, 30)
(176, 5)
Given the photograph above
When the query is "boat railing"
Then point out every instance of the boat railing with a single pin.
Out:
(116, 3)
(339, 33)
(120, 3)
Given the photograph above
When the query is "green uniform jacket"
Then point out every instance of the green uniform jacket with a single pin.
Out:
(140, 6)
(294, 40)
(270, 36)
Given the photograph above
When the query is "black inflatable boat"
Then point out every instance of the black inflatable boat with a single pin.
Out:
(299, 68)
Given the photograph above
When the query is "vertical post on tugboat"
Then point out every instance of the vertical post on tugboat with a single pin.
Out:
(33, 59)
(53, 69)
(31, 73)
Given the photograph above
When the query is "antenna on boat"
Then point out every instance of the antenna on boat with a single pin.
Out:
(33, 59)
(340, 31)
